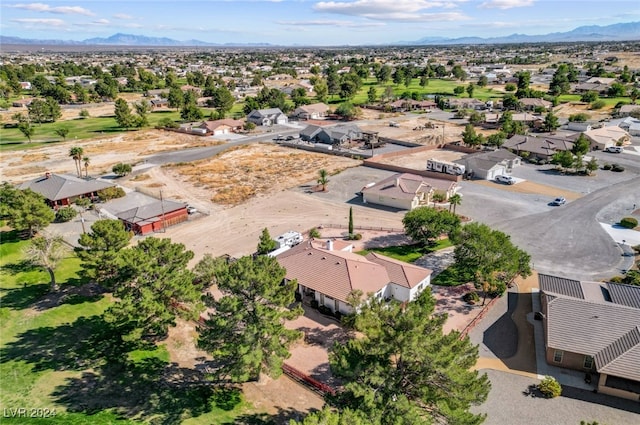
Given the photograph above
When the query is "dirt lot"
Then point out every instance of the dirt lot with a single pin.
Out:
(130, 147)
(418, 160)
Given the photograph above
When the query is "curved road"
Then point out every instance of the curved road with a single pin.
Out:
(571, 235)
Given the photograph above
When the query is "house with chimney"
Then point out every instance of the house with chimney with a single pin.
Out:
(61, 190)
(329, 272)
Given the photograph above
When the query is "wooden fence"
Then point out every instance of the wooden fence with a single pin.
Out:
(479, 317)
(303, 378)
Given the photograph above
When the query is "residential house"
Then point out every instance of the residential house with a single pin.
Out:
(218, 127)
(267, 117)
(466, 103)
(159, 103)
(314, 111)
(625, 110)
(594, 327)
(336, 135)
(22, 103)
(531, 104)
(62, 190)
(154, 217)
(328, 272)
(487, 165)
(538, 146)
(603, 137)
(403, 105)
(407, 191)
(25, 85)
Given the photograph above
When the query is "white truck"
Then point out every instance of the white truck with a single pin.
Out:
(290, 238)
(440, 166)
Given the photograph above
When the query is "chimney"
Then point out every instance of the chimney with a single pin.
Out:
(330, 245)
(47, 175)
(397, 181)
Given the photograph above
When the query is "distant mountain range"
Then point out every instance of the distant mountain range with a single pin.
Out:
(617, 32)
(119, 39)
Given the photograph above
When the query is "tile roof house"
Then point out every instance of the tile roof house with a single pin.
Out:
(311, 112)
(541, 147)
(329, 275)
(529, 103)
(60, 189)
(626, 110)
(488, 165)
(267, 117)
(406, 191)
(153, 217)
(603, 137)
(223, 126)
(331, 135)
(594, 327)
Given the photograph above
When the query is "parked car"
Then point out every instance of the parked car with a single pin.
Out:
(191, 210)
(560, 200)
(505, 179)
(290, 138)
(614, 149)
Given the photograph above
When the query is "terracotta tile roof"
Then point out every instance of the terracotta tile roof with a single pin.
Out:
(400, 273)
(338, 273)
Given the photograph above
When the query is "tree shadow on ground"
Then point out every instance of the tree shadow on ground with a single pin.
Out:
(87, 342)
(21, 298)
(282, 417)
(148, 388)
(393, 239)
(323, 336)
(22, 266)
(72, 292)
(323, 373)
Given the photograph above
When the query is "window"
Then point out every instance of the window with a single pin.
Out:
(588, 362)
(557, 356)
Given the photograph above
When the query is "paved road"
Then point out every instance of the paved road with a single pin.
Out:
(571, 236)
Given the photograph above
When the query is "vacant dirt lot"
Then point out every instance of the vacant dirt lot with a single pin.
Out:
(130, 147)
(418, 160)
(244, 171)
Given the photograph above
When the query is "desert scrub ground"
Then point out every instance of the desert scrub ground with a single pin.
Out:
(237, 174)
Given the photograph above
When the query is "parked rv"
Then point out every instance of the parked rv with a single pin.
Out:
(445, 167)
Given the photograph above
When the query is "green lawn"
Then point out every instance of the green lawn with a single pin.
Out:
(59, 354)
(407, 253)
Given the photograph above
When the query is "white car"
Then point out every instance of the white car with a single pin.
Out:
(505, 179)
(614, 149)
(191, 210)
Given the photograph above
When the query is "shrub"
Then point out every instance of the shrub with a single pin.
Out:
(337, 315)
(598, 104)
(111, 193)
(314, 233)
(629, 223)
(298, 296)
(65, 214)
(617, 168)
(606, 167)
(471, 297)
(314, 303)
(121, 169)
(325, 310)
(549, 387)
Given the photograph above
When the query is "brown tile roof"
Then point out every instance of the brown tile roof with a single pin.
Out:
(338, 273)
(404, 186)
(400, 273)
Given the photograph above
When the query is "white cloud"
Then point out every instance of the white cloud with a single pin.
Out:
(122, 16)
(506, 4)
(96, 23)
(330, 23)
(31, 22)
(64, 10)
(393, 10)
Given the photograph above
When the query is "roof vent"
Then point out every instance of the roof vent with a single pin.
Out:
(324, 258)
(338, 263)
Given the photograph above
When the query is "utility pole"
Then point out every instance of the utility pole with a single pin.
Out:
(164, 223)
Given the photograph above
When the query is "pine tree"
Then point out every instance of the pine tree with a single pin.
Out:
(124, 118)
(404, 370)
(266, 244)
(100, 249)
(246, 332)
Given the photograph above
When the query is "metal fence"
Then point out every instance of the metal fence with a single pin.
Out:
(380, 229)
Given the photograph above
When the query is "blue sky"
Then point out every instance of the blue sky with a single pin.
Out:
(306, 22)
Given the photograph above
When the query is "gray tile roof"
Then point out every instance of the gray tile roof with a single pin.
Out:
(622, 357)
(624, 294)
(560, 285)
(587, 327)
(60, 186)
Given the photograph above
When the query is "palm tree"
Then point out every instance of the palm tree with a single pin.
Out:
(86, 162)
(323, 179)
(76, 153)
(454, 200)
(46, 251)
